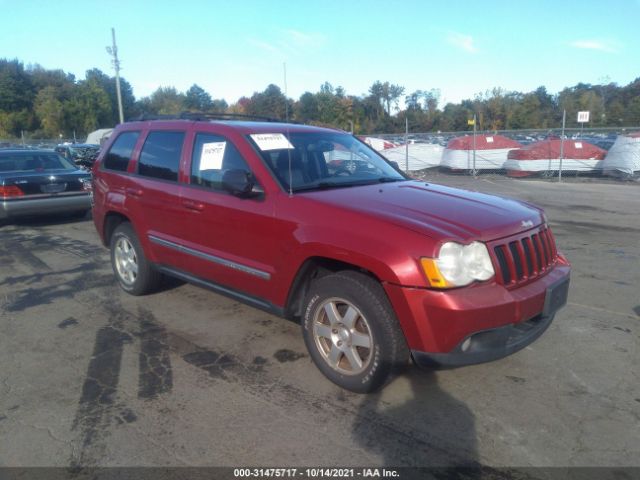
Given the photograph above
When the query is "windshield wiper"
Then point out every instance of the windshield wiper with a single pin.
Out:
(358, 183)
(323, 186)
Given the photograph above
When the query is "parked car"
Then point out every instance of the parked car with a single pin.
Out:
(82, 154)
(378, 267)
(40, 182)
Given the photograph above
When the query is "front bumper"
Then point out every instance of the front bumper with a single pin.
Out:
(25, 206)
(487, 345)
(477, 324)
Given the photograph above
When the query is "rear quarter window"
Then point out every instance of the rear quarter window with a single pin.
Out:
(119, 155)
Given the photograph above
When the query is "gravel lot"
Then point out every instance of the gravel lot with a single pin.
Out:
(92, 376)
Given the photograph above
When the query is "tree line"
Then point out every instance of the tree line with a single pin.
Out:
(51, 103)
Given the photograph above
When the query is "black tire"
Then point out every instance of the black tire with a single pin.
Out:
(126, 251)
(336, 347)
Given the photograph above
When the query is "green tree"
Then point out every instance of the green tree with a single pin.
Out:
(16, 89)
(89, 108)
(49, 111)
(164, 101)
(108, 84)
(197, 99)
(270, 103)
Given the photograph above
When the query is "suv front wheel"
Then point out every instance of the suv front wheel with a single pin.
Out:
(134, 272)
(351, 331)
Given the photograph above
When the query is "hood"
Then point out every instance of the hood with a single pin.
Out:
(440, 212)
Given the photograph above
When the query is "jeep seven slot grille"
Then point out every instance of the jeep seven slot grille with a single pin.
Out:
(526, 257)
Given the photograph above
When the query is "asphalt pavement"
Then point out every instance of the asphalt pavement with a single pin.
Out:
(91, 376)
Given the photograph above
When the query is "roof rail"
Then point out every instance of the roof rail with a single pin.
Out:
(198, 116)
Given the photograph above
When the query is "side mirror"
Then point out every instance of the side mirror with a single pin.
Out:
(394, 165)
(238, 182)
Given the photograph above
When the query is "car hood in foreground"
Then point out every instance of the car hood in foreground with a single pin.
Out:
(438, 211)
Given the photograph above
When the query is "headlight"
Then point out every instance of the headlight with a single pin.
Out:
(457, 265)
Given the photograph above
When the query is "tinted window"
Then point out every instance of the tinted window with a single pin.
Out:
(120, 152)
(34, 162)
(319, 160)
(160, 156)
(212, 156)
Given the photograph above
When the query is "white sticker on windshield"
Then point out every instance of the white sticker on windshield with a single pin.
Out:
(489, 139)
(212, 155)
(578, 144)
(271, 141)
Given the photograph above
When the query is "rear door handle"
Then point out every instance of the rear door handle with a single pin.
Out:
(134, 192)
(191, 205)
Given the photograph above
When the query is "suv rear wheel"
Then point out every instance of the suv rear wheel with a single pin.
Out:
(352, 333)
(134, 272)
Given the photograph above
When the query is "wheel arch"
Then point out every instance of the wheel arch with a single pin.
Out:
(313, 268)
(111, 222)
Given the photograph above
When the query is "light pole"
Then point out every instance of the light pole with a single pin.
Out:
(113, 51)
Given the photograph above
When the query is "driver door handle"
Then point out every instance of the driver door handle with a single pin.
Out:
(191, 205)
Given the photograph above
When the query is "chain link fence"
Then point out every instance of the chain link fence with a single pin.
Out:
(46, 143)
(517, 153)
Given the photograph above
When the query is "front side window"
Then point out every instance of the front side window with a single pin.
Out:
(212, 156)
(160, 155)
(120, 152)
(318, 160)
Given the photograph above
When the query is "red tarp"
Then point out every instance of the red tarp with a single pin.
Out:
(483, 142)
(549, 149)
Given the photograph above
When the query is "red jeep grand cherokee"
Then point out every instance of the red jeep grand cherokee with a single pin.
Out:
(311, 223)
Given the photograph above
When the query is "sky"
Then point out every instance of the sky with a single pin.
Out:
(234, 48)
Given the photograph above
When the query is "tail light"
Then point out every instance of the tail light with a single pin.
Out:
(10, 191)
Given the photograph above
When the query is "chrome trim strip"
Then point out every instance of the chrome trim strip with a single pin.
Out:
(211, 258)
(39, 196)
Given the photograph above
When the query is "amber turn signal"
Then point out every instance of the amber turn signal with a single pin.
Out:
(434, 277)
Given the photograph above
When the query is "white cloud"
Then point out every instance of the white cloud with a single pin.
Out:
(599, 45)
(264, 46)
(462, 41)
(289, 43)
(303, 39)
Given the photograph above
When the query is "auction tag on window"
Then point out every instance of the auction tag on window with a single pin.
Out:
(578, 144)
(271, 141)
(212, 155)
(489, 139)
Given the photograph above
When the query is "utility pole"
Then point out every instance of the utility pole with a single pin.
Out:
(113, 51)
(286, 101)
(474, 145)
(564, 118)
(406, 143)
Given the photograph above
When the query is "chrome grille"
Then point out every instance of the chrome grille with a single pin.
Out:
(524, 257)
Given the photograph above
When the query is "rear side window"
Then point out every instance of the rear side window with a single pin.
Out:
(120, 152)
(160, 156)
(212, 156)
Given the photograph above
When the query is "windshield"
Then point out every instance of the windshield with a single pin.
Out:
(308, 161)
(34, 162)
